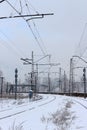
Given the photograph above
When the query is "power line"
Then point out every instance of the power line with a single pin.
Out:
(2, 1)
(28, 23)
(14, 6)
(82, 34)
(21, 7)
(79, 47)
(32, 6)
(36, 38)
(80, 42)
(36, 26)
(12, 45)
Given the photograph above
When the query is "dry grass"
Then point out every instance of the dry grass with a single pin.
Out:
(17, 127)
(62, 119)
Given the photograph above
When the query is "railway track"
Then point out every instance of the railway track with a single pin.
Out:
(24, 108)
(81, 102)
(24, 104)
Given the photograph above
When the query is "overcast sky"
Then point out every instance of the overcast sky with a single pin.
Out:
(60, 33)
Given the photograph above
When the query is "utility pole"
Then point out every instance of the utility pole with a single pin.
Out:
(37, 70)
(84, 73)
(64, 82)
(49, 74)
(1, 86)
(84, 80)
(31, 61)
(36, 83)
(36, 78)
(72, 75)
(60, 84)
(32, 73)
(49, 81)
(27, 62)
(71, 85)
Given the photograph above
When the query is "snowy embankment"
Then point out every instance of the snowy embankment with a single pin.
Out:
(52, 112)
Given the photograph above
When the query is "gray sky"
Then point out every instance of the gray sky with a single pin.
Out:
(60, 33)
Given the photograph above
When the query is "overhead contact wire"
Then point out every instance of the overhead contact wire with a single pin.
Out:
(28, 26)
(36, 27)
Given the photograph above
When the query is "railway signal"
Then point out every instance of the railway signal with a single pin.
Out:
(16, 76)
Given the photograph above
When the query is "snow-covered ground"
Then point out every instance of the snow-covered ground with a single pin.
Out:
(52, 112)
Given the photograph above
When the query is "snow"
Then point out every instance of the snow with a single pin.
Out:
(25, 114)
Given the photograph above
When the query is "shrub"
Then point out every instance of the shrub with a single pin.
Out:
(62, 119)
